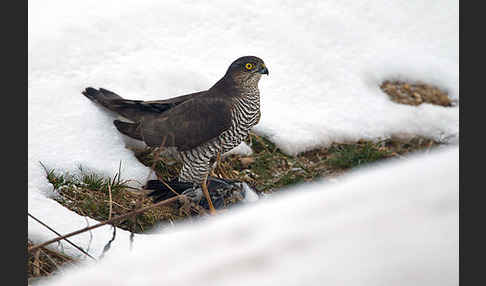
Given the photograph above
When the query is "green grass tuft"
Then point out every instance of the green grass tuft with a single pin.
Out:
(267, 170)
(352, 155)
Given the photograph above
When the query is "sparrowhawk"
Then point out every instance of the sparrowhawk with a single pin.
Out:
(196, 126)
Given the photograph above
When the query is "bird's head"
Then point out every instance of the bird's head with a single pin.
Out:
(247, 70)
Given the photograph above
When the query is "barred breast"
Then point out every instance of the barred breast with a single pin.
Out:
(245, 114)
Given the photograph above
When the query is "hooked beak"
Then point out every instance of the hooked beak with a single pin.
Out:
(263, 70)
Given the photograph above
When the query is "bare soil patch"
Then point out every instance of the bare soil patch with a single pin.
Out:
(416, 94)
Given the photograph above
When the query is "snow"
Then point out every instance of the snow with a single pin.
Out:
(326, 61)
(391, 224)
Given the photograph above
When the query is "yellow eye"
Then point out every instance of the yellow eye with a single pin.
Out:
(249, 66)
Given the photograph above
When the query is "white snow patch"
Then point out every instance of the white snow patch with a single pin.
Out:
(326, 61)
(242, 149)
(395, 224)
(250, 194)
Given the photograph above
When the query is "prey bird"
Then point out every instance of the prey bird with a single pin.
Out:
(197, 126)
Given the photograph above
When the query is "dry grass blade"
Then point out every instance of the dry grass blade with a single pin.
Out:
(44, 261)
(173, 199)
(58, 234)
(36, 263)
(167, 185)
(111, 202)
(187, 202)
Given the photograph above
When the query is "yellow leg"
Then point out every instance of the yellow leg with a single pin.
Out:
(204, 187)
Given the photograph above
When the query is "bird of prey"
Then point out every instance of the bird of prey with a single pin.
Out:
(196, 126)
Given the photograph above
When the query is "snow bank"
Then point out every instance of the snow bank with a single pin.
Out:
(394, 224)
(326, 60)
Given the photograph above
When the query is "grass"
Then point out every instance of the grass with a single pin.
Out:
(88, 194)
(353, 155)
(45, 262)
(267, 170)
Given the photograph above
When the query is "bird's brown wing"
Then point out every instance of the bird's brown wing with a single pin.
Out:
(189, 124)
(135, 109)
(176, 100)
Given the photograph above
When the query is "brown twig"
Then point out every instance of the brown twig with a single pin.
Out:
(141, 210)
(115, 203)
(37, 263)
(167, 185)
(49, 258)
(45, 225)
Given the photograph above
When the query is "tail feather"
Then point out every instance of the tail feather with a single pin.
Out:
(108, 99)
(130, 129)
(101, 95)
(133, 110)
